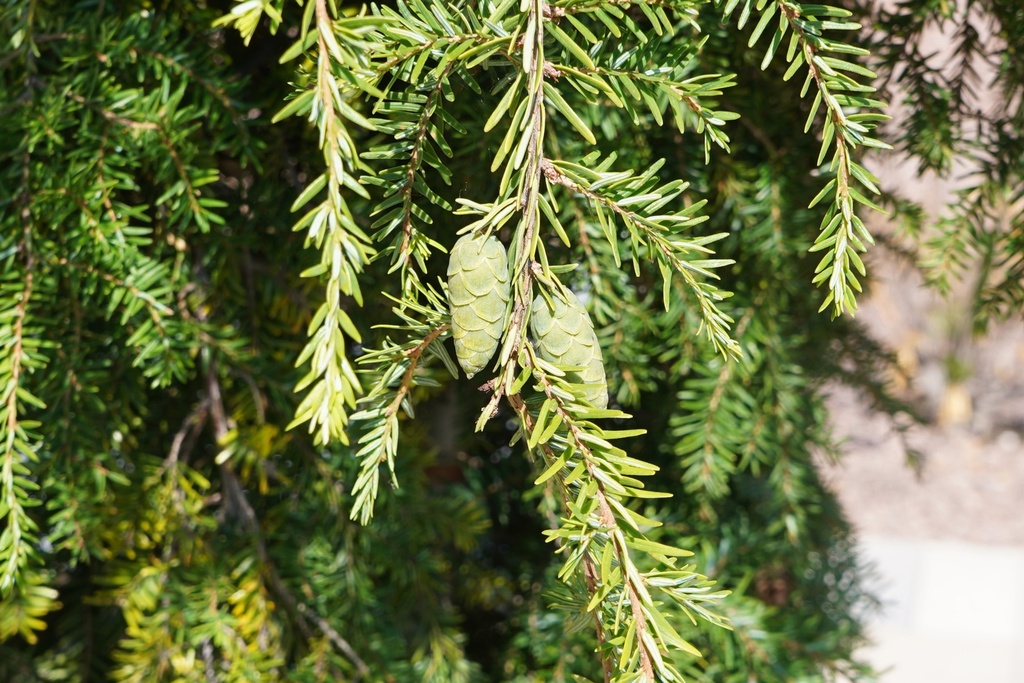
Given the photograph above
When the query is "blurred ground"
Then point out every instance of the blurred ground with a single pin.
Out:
(954, 611)
(970, 481)
(946, 540)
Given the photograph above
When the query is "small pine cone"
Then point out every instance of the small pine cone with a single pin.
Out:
(565, 336)
(478, 292)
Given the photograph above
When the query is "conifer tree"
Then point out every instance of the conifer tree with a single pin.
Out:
(437, 341)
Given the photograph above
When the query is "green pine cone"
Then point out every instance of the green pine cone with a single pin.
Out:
(565, 336)
(478, 294)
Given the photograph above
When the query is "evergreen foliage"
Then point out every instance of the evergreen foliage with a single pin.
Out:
(965, 119)
(226, 295)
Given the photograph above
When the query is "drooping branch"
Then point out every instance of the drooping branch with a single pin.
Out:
(16, 536)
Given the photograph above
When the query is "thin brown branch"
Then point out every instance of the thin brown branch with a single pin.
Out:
(15, 515)
(179, 165)
(415, 161)
(773, 150)
(112, 117)
(674, 86)
(608, 521)
(336, 639)
(192, 424)
(529, 192)
(236, 502)
(536, 168)
(324, 25)
(21, 309)
(414, 354)
(157, 310)
(556, 176)
(165, 137)
(553, 174)
(107, 204)
(590, 573)
(35, 40)
(386, 66)
(218, 93)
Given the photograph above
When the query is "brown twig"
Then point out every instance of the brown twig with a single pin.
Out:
(590, 573)
(112, 117)
(414, 354)
(528, 204)
(237, 502)
(607, 518)
(218, 93)
(190, 427)
(336, 639)
(179, 165)
(415, 159)
(157, 310)
(15, 514)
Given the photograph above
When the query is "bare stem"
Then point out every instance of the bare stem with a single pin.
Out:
(414, 354)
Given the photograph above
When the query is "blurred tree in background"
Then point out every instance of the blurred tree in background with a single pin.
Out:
(223, 230)
(962, 96)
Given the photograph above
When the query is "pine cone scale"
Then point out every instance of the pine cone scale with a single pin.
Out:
(478, 294)
(565, 336)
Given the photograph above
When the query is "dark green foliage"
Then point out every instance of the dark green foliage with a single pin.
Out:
(200, 390)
